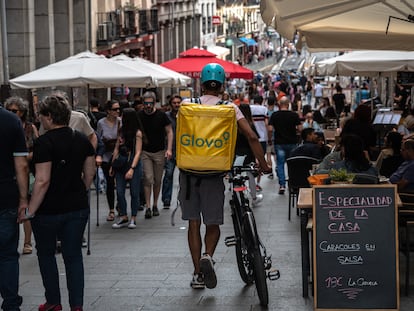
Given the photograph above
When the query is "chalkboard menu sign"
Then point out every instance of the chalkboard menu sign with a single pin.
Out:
(355, 247)
(405, 77)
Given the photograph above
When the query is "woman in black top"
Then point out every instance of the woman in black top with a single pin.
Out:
(64, 169)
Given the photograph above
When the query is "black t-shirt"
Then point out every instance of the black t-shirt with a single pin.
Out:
(94, 117)
(339, 101)
(67, 150)
(307, 149)
(284, 122)
(12, 143)
(154, 129)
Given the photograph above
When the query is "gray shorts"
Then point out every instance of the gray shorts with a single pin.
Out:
(205, 198)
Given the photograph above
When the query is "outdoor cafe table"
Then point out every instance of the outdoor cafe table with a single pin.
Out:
(305, 204)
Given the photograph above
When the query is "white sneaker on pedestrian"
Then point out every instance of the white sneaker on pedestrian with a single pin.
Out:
(257, 200)
(207, 269)
(120, 224)
(197, 282)
(132, 224)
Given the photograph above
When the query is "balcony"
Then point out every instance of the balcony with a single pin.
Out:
(120, 25)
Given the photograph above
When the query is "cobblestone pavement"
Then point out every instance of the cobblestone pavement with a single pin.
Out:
(149, 268)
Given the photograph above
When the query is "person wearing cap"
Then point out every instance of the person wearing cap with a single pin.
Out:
(202, 204)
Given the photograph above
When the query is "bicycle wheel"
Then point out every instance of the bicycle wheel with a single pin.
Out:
(257, 260)
(245, 270)
(243, 265)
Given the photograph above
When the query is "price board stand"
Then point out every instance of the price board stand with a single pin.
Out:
(355, 249)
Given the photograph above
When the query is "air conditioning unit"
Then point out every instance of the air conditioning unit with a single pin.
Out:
(102, 32)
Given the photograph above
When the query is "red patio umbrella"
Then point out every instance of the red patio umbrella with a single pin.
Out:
(196, 52)
(191, 66)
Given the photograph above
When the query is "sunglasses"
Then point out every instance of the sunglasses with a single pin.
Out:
(116, 109)
(13, 110)
(148, 103)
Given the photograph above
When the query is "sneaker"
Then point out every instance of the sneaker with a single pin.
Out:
(282, 190)
(167, 205)
(84, 242)
(49, 307)
(270, 176)
(155, 211)
(132, 225)
(257, 200)
(27, 248)
(120, 223)
(148, 213)
(197, 282)
(141, 207)
(207, 269)
(258, 188)
(76, 309)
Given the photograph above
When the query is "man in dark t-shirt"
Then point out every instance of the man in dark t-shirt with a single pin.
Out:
(156, 127)
(14, 174)
(309, 146)
(285, 124)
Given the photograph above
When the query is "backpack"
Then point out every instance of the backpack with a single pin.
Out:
(206, 138)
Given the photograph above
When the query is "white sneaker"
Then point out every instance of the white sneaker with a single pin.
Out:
(132, 225)
(120, 224)
(207, 269)
(258, 199)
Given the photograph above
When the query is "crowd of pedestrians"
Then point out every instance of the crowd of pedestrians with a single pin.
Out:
(134, 145)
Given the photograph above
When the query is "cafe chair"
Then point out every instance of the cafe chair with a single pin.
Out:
(299, 168)
(406, 227)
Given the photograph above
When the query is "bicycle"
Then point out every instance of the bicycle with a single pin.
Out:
(252, 261)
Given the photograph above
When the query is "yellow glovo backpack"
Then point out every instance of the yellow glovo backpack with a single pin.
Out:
(205, 138)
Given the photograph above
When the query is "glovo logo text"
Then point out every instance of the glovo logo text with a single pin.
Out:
(201, 142)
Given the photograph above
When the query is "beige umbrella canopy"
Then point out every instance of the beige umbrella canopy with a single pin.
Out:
(336, 25)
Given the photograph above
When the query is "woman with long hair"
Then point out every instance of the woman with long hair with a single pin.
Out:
(107, 132)
(355, 158)
(129, 145)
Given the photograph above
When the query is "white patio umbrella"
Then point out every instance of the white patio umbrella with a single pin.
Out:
(83, 69)
(367, 63)
(161, 76)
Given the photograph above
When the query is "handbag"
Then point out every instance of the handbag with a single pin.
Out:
(123, 161)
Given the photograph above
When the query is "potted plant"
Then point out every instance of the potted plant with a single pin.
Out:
(341, 176)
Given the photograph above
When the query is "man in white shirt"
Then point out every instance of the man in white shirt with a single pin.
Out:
(318, 93)
(260, 119)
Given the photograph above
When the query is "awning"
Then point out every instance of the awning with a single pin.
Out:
(248, 41)
(220, 51)
(236, 42)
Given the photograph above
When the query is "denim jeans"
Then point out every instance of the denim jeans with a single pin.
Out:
(9, 260)
(69, 227)
(282, 153)
(134, 187)
(167, 182)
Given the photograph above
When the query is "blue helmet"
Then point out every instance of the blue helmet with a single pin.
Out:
(213, 72)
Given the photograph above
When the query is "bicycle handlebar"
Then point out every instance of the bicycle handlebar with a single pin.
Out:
(251, 167)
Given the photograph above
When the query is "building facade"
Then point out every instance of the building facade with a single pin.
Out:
(35, 33)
